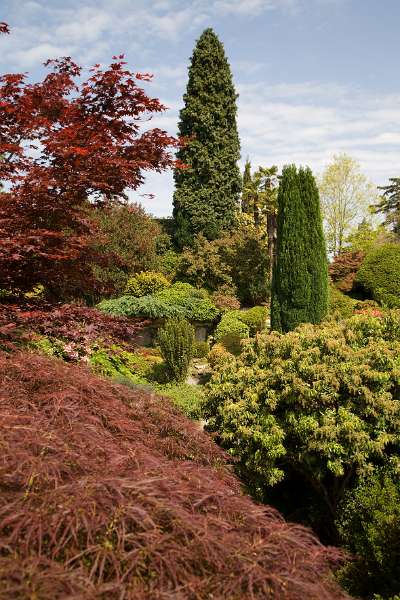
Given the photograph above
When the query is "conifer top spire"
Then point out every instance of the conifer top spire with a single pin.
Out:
(207, 193)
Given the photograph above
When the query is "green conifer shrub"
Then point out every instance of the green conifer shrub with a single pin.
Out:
(176, 341)
(178, 300)
(207, 193)
(300, 275)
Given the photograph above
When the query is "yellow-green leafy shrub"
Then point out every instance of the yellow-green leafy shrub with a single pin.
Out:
(231, 331)
(146, 283)
(217, 355)
(310, 410)
(340, 305)
(255, 318)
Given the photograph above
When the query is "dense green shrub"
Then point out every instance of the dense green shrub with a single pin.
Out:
(379, 274)
(247, 254)
(311, 409)
(231, 330)
(150, 307)
(255, 318)
(178, 300)
(203, 266)
(146, 283)
(340, 305)
(200, 349)
(176, 341)
(369, 526)
(196, 303)
(168, 264)
(238, 260)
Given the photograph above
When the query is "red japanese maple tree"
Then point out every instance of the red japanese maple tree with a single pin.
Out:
(65, 143)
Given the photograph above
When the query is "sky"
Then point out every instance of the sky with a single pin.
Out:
(315, 78)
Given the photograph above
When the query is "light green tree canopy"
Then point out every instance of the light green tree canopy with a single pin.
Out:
(346, 195)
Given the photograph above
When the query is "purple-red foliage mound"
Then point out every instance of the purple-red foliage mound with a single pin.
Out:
(344, 268)
(110, 493)
(70, 322)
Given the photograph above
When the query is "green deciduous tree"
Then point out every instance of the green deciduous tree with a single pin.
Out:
(300, 279)
(346, 195)
(366, 236)
(207, 193)
(238, 260)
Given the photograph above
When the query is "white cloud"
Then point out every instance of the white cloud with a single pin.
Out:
(38, 54)
(309, 122)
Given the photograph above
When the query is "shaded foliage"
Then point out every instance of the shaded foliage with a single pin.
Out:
(111, 493)
(369, 524)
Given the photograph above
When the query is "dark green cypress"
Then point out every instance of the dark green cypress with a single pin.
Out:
(300, 277)
(207, 194)
(246, 188)
(317, 258)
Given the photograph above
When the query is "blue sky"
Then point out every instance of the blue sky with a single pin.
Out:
(315, 77)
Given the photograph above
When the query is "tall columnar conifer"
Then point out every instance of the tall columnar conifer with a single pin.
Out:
(207, 193)
(246, 187)
(300, 277)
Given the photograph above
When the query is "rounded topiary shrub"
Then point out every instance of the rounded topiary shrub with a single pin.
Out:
(231, 330)
(146, 283)
(380, 274)
(176, 340)
(255, 318)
